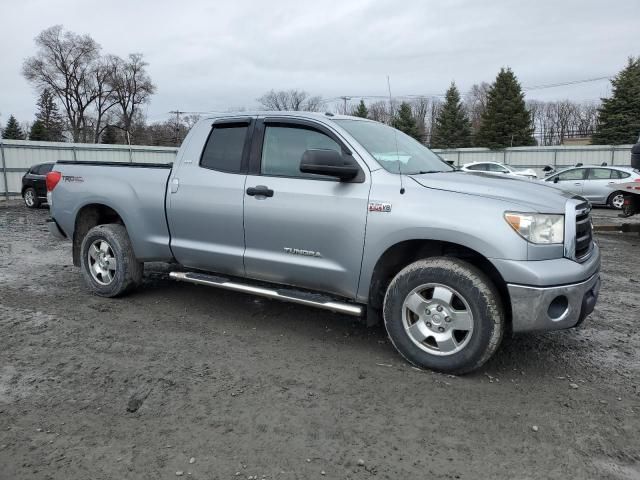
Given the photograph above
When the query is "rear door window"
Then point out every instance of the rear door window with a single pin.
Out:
(600, 174)
(224, 148)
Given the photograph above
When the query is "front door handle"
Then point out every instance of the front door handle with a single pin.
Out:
(260, 191)
(175, 184)
(578, 183)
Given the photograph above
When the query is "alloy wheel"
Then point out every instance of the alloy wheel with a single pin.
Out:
(102, 262)
(437, 319)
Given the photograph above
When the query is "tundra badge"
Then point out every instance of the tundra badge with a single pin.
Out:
(299, 251)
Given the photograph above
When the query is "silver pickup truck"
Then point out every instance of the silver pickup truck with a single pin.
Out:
(344, 214)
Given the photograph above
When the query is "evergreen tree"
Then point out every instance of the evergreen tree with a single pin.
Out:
(12, 130)
(110, 135)
(361, 110)
(452, 128)
(38, 132)
(49, 117)
(619, 116)
(506, 122)
(405, 122)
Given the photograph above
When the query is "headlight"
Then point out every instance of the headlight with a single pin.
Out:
(537, 227)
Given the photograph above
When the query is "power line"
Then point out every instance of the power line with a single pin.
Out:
(430, 95)
(562, 84)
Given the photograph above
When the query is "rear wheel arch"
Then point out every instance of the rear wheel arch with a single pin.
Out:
(398, 256)
(89, 216)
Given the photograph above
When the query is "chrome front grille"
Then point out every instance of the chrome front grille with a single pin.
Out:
(584, 232)
(578, 230)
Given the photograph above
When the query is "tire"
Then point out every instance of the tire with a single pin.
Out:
(467, 299)
(30, 198)
(107, 246)
(616, 200)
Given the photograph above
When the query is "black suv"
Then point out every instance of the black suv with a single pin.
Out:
(34, 188)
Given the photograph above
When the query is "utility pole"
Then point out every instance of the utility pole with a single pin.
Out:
(345, 98)
(177, 113)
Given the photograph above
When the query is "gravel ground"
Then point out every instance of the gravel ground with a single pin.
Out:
(178, 378)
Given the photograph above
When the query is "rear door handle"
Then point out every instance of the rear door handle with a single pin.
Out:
(577, 183)
(260, 191)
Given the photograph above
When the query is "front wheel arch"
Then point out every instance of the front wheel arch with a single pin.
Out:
(398, 256)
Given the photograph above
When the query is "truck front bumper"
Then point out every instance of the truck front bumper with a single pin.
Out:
(538, 309)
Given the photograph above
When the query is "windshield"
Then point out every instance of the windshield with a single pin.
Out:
(395, 151)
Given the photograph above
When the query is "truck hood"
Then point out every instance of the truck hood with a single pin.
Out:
(530, 195)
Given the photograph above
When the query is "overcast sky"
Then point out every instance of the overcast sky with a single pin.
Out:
(206, 55)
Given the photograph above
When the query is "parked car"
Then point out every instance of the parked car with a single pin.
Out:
(595, 183)
(344, 214)
(499, 168)
(34, 189)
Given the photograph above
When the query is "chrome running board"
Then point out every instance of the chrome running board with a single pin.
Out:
(287, 295)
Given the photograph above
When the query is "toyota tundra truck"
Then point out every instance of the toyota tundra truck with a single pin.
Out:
(344, 214)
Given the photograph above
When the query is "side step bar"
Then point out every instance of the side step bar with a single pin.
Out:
(295, 296)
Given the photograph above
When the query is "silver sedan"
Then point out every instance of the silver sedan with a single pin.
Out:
(595, 183)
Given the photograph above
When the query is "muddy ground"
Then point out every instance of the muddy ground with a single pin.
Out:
(252, 388)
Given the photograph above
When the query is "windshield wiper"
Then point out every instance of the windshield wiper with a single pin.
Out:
(422, 172)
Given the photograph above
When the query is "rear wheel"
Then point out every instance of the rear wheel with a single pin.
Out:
(108, 263)
(444, 314)
(31, 198)
(616, 200)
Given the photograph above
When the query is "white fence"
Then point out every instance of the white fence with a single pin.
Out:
(17, 156)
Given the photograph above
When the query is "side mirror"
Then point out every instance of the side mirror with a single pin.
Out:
(555, 180)
(329, 162)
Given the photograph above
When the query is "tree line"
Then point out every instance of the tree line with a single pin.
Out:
(85, 96)
(496, 115)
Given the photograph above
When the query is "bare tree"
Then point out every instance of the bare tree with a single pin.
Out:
(64, 63)
(380, 112)
(105, 97)
(556, 121)
(420, 110)
(476, 103)
(132, 86)
(293, 100)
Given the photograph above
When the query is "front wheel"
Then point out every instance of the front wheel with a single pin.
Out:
(107, 261)
(444, 314)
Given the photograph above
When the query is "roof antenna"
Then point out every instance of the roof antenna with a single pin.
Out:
(395, 136)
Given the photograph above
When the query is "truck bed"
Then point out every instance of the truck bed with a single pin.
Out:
(136, 191)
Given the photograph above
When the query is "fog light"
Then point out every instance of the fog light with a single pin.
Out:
(558, 308)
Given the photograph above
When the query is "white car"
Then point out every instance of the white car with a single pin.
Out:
(500, 169)
(596, 183)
